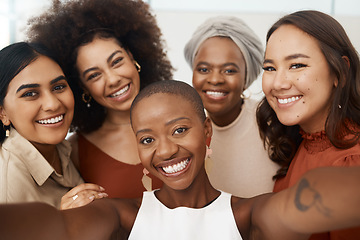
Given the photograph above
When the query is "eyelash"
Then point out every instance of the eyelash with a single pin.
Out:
(292, 66)
(143, 140)
(33, 93)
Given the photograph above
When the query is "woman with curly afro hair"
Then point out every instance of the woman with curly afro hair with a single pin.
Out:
(108, 52)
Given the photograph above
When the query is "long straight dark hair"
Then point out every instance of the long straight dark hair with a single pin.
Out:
(343, 61)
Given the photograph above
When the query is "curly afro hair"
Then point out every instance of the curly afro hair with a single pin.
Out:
(69, 24)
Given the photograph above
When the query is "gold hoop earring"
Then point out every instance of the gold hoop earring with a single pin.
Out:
(137, 65)
(86, 99)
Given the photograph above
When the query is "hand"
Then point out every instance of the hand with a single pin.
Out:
(82, 195)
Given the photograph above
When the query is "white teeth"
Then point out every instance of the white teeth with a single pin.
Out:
(176, 167)
(120, 92)
(52, 120)
(288, 100)
(215, 94)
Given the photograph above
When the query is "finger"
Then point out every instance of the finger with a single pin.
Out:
(84, 186)
(83, 199)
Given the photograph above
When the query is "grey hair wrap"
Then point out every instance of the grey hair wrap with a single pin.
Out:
(234, 28)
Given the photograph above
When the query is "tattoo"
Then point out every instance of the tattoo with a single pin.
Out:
(315, 201)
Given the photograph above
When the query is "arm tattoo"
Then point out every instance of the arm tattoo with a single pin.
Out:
(315, 202)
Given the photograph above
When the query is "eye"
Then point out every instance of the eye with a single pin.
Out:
(146, 141)
(269, 69)
(297, 65)
(180, 130)
(60, 87)
(117, 61)
(202, 70)
(93, 76)
(30, 94)
(230, 71)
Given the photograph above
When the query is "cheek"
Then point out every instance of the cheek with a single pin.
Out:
(197, 80)
(145, 156)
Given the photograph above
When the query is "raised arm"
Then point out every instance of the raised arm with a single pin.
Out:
(324, 199)
(98, 220)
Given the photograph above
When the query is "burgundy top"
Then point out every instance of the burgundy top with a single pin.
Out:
(120, 180)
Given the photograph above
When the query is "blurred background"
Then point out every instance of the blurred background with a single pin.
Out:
(178, 19)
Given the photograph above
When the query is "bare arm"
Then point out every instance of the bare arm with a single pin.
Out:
(324, 199)
(98, 220)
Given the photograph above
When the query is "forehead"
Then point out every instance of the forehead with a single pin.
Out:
(288, 40)
(41, 71)
(98, 48)
(162, 107)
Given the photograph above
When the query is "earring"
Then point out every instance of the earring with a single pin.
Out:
(7, 130)
(146, 180)
(86, 99)
(137, 65)
(339, 106)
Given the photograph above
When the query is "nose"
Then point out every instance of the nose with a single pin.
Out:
(112, 78)
(215, 78)
(166, 148)
(281, 80)
(50, 102)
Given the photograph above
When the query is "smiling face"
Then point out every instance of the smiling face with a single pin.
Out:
(297, 80)
(171, 139)
(39, 103)
(219, 77)
(108, 73)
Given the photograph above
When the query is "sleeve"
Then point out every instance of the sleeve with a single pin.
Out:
(348, 161)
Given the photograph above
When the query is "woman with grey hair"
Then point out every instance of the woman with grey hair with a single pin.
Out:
(226, 57)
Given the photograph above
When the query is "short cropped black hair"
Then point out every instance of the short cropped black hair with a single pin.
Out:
(173, 87)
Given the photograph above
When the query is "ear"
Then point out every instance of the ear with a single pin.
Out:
(208, 127)
(347, 62)
(3, 117)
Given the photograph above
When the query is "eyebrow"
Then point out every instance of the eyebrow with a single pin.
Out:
(287, 58)
(108, 60)
(36, 85)
(166, 124)
(223, 65)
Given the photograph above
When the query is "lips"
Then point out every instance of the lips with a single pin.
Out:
(120, 92)
(215, 94)
(288, 100)
(52, 120)
(176, 167)
(173, 167)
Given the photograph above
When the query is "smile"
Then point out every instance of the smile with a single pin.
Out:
(120, 92)
(288, 100)
(176, 167)
(51, 120)
(215, 94)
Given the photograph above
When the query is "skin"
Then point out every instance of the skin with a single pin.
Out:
(105, 69)
(219, 67)
(37, 95)
(315, 204)
(108, 74)
(170, 136)
(297, 81)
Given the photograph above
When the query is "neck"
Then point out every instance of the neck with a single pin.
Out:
(199, 194)
(117, 118)
(224, 119)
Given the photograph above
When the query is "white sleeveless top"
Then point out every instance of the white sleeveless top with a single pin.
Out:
(157, 222)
